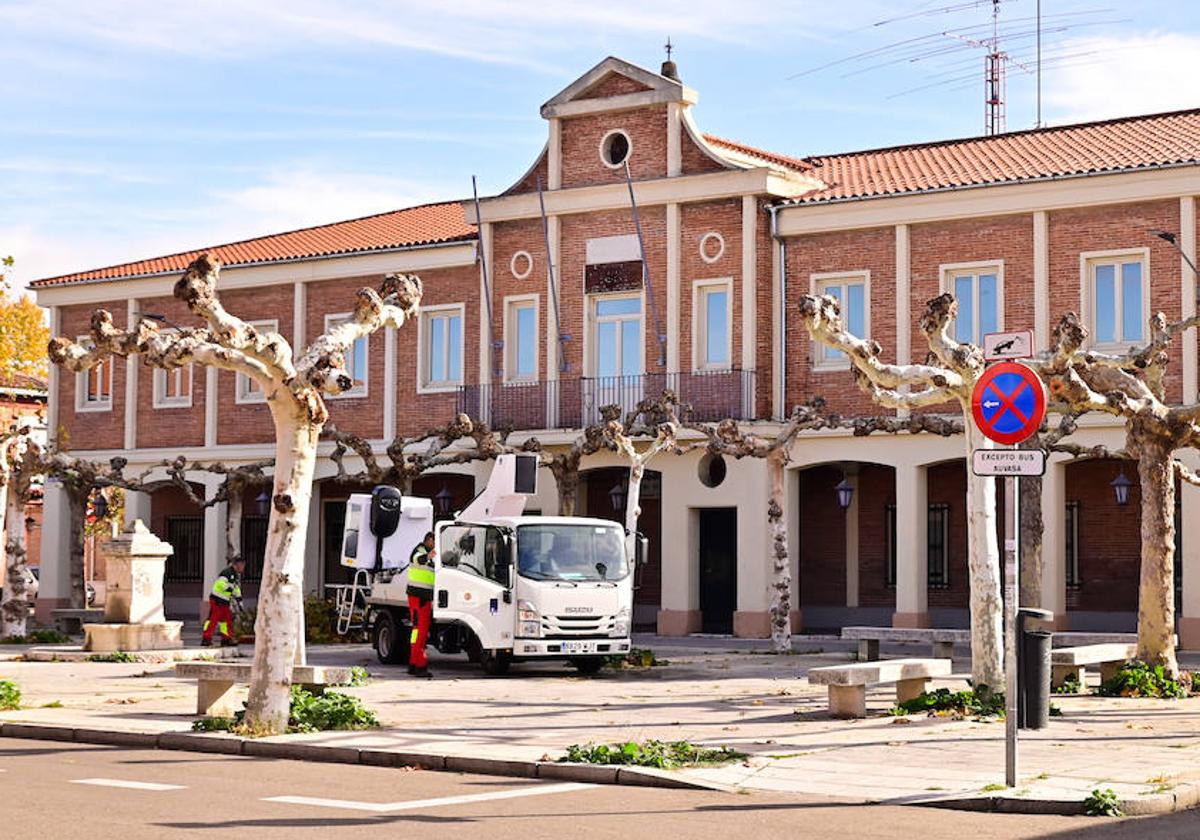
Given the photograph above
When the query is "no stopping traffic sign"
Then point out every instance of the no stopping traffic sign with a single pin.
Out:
(1009, 402)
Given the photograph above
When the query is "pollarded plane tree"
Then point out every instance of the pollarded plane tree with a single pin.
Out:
(728, 439)
(293, 387)
(1132, 386)
(564, 465)
(20, 464)
(653, 419)
(410, 457)
(949, 375)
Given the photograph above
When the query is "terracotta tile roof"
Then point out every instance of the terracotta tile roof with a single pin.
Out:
(13, 380)
(751, 151)
(1097, 147)
(428, 224)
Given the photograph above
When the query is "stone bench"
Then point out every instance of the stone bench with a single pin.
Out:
(1065, 662)
(868, 638)
(71, 621)
(215, 682)
(848, 683)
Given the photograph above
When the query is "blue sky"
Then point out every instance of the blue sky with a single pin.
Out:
(136, 128)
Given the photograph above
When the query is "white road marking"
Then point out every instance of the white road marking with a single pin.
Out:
(121, 783)
(417, 804)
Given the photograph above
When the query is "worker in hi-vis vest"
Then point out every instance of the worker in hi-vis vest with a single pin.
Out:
(420, 604)
(226, 589)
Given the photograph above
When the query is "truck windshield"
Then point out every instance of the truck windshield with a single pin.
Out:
(571, 552)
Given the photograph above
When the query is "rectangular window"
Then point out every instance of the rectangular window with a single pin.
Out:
(442, 348)
(356, 357)
(173, 388)
(1073, 579)
(938, 554)
(93, 387)
(889, 543)
(713, 312)
(1117, 289)
(850, 291)
(978, 290)
(521, 339)
(248, 390)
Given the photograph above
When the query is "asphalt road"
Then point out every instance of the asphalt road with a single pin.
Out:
(51, 790)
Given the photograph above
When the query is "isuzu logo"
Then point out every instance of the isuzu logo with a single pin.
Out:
(578, 610)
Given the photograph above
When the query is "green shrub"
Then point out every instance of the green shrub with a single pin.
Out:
(214, 724)
(358, 676)
(331, 710)
(115, 656)
(320, 620)
(38, 637)
(1102, 803)
(1069, 685)
(664, 755)
(1140, 679)
(10, 696)
(978, 702)
(636, 658)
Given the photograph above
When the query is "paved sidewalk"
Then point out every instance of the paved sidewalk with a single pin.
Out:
(711, 693)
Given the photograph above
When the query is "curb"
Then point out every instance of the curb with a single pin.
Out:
(1183, 797)
(373, 757)
(75, 653)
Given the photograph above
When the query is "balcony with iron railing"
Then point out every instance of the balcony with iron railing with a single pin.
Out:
(705, 397)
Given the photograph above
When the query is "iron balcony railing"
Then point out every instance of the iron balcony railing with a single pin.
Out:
(705, 397)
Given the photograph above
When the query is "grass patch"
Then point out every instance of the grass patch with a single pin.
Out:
(1102, 803)
(636, 658)
(53, 704)
(993, 787)
(214, 724)
(10, 696)
(115, 656)
(976, 702)
(661, 754)
(1140, 679)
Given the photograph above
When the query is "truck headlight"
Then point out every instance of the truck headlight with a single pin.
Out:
(529, 621)
(621, 625)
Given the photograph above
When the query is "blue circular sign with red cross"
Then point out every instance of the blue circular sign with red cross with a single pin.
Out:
(1009, 402)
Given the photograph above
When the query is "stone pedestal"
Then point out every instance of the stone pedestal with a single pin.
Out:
(133, 610)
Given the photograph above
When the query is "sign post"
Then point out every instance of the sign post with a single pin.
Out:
(1008, 405)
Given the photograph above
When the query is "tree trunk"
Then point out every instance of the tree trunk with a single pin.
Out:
(983, 563)
(1032, 527)
(1156, 592)
(281, 593)
(77, 506)
(633, 505)
(14, 609)
(233, 524)
(781, 566)
(567, 483)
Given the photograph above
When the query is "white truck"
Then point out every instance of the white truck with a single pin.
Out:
(509, 587)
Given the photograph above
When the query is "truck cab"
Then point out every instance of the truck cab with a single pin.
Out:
(508, 587)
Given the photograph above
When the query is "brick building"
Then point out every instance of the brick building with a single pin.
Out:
(1021, 226)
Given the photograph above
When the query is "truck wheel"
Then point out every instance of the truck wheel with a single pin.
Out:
(391, 646)
(494, 663)
(588, 665)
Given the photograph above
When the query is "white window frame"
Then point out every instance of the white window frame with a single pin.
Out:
(1088, 260)
(817, 285)
(604, 142)
(358, 392)
(82, 403)
(950, 271)
(243, 395)
(512, 348)
(159, 385)
(593, 321)
(700, 290)
(424, 386)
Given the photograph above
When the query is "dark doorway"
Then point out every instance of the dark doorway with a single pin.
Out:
(718, 569)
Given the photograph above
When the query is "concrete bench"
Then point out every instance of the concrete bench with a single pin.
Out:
(215, 682)
(848, 683)
(1072, 661)
(71, 621)
(868, 638)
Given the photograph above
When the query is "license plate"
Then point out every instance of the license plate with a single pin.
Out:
(579, 647)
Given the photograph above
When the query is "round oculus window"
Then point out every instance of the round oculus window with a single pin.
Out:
(711, 470)
(712, 247)
(521, 264)
(614, 148)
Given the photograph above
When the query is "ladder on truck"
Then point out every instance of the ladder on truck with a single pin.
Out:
(351, 603)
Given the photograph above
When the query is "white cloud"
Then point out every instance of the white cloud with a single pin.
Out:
(1139, 74)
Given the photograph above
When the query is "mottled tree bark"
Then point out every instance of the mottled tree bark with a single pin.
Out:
(1156, 586)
